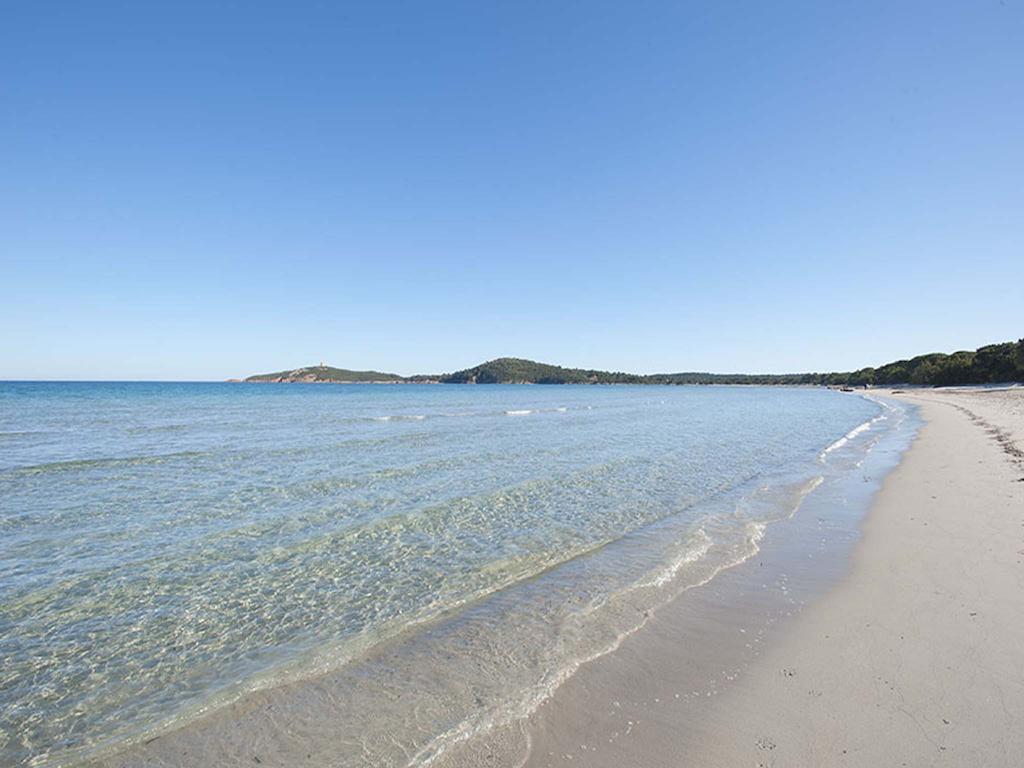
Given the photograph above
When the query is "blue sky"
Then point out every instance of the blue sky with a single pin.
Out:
(204, 190)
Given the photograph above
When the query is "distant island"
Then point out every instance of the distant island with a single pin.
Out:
(325, 374)
(991, 364)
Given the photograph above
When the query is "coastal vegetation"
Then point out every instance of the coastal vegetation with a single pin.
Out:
(325, 374)
(514, 370)
(991, 364)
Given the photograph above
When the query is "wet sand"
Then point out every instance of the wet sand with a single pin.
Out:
(913, 656)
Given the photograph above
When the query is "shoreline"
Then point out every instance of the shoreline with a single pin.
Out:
(690, 685)
(914, 656)
(310, 705)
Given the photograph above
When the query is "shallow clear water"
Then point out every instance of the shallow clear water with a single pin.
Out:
(165, 548)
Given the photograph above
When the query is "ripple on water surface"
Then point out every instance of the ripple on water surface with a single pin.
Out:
(167, 547)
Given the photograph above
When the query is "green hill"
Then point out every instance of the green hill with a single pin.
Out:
(514, 370)
(325, 374)
(992, 364)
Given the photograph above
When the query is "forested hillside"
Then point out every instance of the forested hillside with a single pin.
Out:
(992, 364)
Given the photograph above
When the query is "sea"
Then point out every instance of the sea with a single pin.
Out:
(433, 560)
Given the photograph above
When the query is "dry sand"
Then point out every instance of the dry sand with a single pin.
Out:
(914, 658)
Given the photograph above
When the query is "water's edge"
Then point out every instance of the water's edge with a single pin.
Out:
(706, 638)
(702, 552)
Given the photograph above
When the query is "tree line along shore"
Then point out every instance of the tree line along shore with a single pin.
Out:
(990, 364)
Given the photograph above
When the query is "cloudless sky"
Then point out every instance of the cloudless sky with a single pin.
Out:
(198, 190)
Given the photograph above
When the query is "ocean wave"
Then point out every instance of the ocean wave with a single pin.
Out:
(855, 432)
(664, 583)
(99, 463)
(689, 556)
(458, 414)
(534, 696)
(528, 411)
(888, 409)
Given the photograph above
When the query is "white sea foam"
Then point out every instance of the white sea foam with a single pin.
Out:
(523, 412)
(660, 585)
(691, 555)
(853, 433)
(535, 696)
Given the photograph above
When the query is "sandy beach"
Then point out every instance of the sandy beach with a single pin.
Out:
(914, 657)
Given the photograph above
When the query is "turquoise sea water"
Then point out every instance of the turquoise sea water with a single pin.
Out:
(166, 548)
